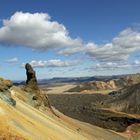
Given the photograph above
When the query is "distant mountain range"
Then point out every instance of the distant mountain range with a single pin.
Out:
(72, 79)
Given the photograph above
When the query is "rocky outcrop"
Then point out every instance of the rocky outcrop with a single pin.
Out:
(5, 93)
(6, 83)
(31, 82)
(102, 85)
(39, 100)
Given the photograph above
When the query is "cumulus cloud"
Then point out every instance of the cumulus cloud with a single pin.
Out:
(81, 48)
(119, 50)
(39, 32)
(52, 63)
(36, 31)
(111, 66)
(12, 60)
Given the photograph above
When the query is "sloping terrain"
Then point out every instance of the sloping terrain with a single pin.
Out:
(128, 101)
(22, 121)
(88, 108)
(106, 111)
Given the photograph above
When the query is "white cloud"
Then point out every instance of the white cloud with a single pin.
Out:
(118, 51)
(36, 31)
(111, 66)
(82, 48)
(39, 32)
(53, 63)
(12, 60)
(136, 63)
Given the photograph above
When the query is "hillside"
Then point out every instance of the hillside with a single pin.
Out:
(26, 114)
(114, 83)
(24, 122)
(127, 101)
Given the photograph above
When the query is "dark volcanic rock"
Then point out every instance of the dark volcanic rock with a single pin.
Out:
(31, 81)
(38, 98)
(32, 85)
(115, 93)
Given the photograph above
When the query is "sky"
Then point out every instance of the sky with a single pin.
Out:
(69, 38)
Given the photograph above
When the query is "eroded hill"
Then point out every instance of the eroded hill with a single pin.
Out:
(113, 84)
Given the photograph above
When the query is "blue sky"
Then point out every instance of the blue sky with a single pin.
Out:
(69, 38)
